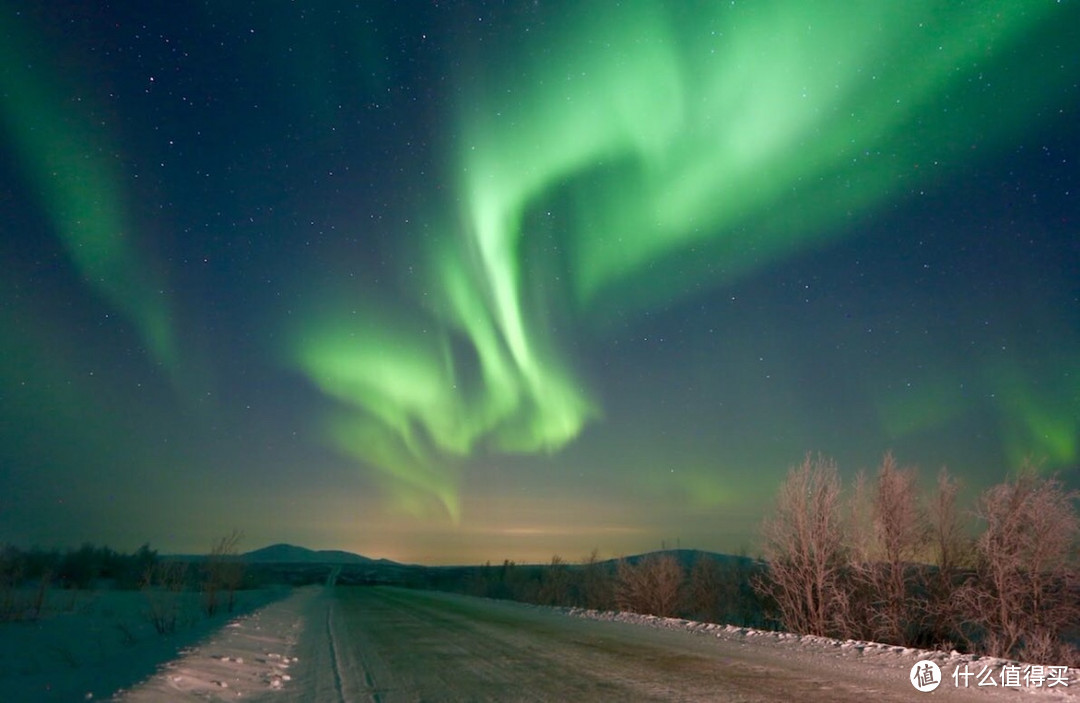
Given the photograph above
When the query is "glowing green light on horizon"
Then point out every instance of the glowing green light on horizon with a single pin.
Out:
(680, 144)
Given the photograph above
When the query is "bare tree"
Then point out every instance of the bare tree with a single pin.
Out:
(805, 545)
(163, 584)
(885, 570)
(667, 575)
(705, 588)
(555, 583)
(950, 552)
(11, 576)
(1023, 595)
(596, 583)
(222, 571)
(652, 586)
(951, 546)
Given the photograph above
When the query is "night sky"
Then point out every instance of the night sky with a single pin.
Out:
(446, 282)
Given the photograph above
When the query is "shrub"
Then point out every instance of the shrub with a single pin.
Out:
(885, 602)
(222, 572)
(596, 588)
(555, 583)
(805, 544)
(1022, 596)
(950, 552)
(163, 585)
(652, 586)
(705, 586)
(1014, 591)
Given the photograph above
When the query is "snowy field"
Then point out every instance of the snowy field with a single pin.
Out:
(87, 645)
(386, 644)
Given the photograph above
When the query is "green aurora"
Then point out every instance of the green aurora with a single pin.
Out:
(680, 148)
(464, 281)
(77, 182)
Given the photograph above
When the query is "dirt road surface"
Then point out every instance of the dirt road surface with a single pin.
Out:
(387, 645)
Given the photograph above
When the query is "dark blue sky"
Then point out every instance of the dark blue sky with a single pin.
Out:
(468, 281)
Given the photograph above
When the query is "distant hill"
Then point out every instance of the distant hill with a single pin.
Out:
(687, 557)
(291, 554)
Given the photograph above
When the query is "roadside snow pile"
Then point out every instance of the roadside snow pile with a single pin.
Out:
(852, 648)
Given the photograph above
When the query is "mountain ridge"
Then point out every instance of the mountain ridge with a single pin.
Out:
(282, 553)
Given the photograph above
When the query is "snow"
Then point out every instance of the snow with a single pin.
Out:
(947, 661)
(100, 645)
(87, 645)
(252, 654)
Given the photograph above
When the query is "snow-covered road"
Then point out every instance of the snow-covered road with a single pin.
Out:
(352, 644)
(385, 644)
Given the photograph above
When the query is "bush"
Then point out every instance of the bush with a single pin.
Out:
(555, 583)
(1022, 597)
(163, 586)
(222, 572)
(885, 601)
(705, 589)
(1012, 592)
(951, 553)
(652, 586)
(806, 548)
(596, 587)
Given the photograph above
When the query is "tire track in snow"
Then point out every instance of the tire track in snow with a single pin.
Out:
(414, 645)
(335, 655)
(344, 663)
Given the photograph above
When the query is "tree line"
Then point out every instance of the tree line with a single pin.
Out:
(672, 583)
(78, 568)
(27, 576)
(885, 562)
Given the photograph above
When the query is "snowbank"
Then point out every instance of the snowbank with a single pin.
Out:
(853, 648)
